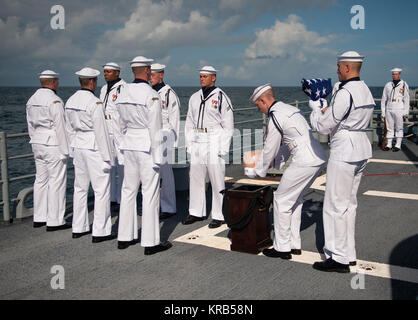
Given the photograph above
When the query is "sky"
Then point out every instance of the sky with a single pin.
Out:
(249, 42)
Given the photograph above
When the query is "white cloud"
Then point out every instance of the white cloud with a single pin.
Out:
(289, 40)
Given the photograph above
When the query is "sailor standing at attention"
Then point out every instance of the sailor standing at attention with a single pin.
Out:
(288, 134)
(346, 120)
(170, 111)
(395, 106)
(108, 95)
(208, 132)
(46, 126)
(139, 108)
(88, 135)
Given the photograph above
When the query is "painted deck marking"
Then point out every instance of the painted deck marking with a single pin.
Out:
(208, 237)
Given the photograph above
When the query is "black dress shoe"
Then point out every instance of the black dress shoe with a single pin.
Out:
(191, 219)
(104, 238)
(386, 149)
(77, 235)
(216, 224)
(125, 244)
(395, 149)
(330, 265)
(167, 215)
(272, 253)
(155, 249)
(296, 252)
(61, 227)
(39, 224)
(352, 263)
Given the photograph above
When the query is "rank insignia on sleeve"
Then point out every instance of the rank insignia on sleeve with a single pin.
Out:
(401, 90)
(114, 96)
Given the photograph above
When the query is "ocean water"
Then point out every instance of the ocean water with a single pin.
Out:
(13, 120)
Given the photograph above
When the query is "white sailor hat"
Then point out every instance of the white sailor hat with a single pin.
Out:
(350, 56)
(156, 67)
(87, 73)
(208, 70)
(141, 61)
(111, 66)
(48, 74)
(396, 70)
(259, 91)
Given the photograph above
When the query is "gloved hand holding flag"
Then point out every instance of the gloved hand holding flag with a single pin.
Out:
(317, 90)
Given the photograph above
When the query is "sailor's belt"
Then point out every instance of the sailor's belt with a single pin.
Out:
(44, 130)
(136, 131)
(108, 117)
(207, 130)
(345, 131)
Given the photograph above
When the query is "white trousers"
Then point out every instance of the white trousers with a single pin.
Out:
(90, 167)
(116, 172)
(49, 189)
(168, 189)
(340, 206)
(139, 171)
(204, 161)
(116, 180)
(288, 201)
(394, 126)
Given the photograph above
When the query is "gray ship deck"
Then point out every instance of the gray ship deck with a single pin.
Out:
(201, 266)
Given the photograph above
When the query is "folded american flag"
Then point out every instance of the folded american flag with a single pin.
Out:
(317, 88)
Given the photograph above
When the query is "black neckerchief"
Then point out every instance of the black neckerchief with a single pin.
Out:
(110, 84)
(50, 89)
(140, 81)
(158, 86)
(207, 90)
(271, 106)
(85, 89)
(343, 83)
(396, 82)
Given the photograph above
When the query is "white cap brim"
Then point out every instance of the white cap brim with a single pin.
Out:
(111, 66)
(350, 56)
(396, 70)
(48, 74)
(259, 91)
(141, 61)
(208, 70)
(156, 67)
(88, 73)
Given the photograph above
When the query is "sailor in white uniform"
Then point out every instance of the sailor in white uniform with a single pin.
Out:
(92, 155)
(108, 95)
(170, 110)
(139, 108)
(395, 106)
(208, 132)
(46, 126)
(288, 134)
(346, 119)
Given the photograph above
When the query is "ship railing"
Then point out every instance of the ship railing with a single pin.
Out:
(18, 202)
